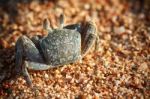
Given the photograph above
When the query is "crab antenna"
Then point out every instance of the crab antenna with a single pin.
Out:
(46, 25)
(61, 20)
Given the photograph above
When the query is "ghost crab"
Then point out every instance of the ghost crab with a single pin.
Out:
(64, 45)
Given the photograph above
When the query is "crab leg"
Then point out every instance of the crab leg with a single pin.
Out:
(26, 50)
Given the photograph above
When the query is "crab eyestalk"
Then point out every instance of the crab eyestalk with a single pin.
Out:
(61, 21)
(46, 25)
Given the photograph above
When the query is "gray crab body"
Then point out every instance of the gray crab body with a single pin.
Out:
(61, 46)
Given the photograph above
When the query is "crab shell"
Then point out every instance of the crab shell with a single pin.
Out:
(61, 46)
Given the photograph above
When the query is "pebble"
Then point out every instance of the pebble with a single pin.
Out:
(1, 65)
(46, 76)
(119, 30)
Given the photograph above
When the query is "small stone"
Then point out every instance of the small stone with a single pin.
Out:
(86, 6)
(143, 67)
(82, 96)
(46, 76)
(1, 65)
(119, 30)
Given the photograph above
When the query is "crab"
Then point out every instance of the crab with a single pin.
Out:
(62, 45)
